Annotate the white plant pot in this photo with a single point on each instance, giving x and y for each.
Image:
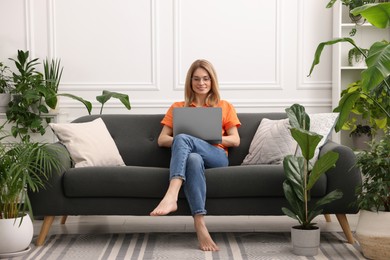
(15, 238)
(305, 242)
(4, 100)
(373, 234)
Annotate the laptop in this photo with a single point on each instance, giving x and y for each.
(202, 122)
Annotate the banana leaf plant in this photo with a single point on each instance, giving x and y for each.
(301, 176)
(375, 80)
(102, 99)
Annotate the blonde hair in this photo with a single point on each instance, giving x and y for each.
(213, 97)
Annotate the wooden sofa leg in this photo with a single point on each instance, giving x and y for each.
(327, 218)
(47, 221)
(342, 218)
(63, 219)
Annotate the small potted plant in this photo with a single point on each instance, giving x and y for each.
(23, 166)
(356, 57)
(373, 197)
(5, 87)
(361, 136)
(300, 179)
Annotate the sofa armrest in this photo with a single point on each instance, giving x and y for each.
(49, 199)
(345, 177)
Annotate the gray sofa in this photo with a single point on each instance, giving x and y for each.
(135, 189)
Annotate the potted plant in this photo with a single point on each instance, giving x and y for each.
(375, 86)
(372, 230)
(5, 87)
(351, 4)
(301, 176)
(361, 136)
(23, 166)
(27, 105)
(356, 58)
(52, 73)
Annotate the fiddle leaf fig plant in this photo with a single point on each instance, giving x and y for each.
(301, 176)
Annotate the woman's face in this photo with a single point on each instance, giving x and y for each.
(201, 82)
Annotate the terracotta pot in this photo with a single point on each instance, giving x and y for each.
(373, 234)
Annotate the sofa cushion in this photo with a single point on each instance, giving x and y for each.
(271, 143)
(89, 144)
(152, 182)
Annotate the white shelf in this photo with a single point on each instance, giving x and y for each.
(342, 74)
(352, 68)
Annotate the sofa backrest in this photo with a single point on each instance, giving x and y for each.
(136, 136)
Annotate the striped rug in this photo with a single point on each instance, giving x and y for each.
(167, 246)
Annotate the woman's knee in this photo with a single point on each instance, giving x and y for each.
(195, 159)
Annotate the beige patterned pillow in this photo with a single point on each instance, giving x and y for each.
(271, 143)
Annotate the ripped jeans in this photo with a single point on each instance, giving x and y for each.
(190, 157)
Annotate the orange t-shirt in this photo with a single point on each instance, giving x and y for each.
(229, 117)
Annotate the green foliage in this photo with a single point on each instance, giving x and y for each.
(374, 193)
(301, 176)
(5, 79)
(52, 73)
(375, 82)
(23, 166)
(27, 106)
(102, 99)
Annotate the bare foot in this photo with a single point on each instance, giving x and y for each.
(166, 206)
(206, 243)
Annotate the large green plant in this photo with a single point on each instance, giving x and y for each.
(374, 193)
(28, 105)
(23, 166)
(375, 82)
(301, 175)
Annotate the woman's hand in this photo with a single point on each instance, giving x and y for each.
(232, 139)
(166, 137)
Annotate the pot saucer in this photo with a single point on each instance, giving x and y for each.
(14, 254)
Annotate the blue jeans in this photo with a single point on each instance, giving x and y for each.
(190, 157)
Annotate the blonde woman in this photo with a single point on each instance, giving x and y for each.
(190, 155)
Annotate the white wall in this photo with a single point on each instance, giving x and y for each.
(262, 49)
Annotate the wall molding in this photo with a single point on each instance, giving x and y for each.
(303, 83)
(153, 85)
(226, 85)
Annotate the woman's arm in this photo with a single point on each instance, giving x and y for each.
(165, 139)
(232, 139)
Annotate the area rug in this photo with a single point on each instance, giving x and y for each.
(167, 246)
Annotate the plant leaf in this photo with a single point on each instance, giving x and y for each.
(323, 164)
(86, 103)
(298, 117)
(378, 65)
(293, 168)
(307, 141)
(376, 14)
(321, 46)
(344, 108)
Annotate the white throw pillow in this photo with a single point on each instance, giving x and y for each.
(271, 143)
(322, 124)
(89, 144)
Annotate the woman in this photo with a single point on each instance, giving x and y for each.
(190, 155)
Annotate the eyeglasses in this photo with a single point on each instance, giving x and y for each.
(198, 79)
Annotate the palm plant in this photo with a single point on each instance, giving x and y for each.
(23, 166)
